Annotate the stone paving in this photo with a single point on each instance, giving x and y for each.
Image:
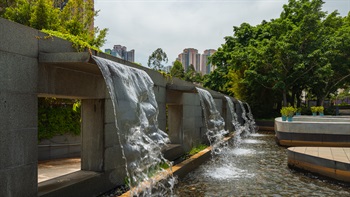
(55, 168)
(332, 162)
(330, 153)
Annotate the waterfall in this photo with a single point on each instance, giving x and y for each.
(246, 125)
(238, 127)
(136, 111)
(252, 124)
(214, 122)
(234, 121)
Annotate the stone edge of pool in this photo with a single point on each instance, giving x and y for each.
(313, 131)
(182, 169)
(331, 162)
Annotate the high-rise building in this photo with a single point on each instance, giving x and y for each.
(205, 67)
(122, 52)
(190, 56)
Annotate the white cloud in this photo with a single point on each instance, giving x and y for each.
(145, 25)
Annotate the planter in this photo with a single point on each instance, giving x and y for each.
(314, 113)
(290, 118)
(298, 113)
(321, 113)
(284, 118)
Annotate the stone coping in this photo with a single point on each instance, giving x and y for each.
(182, 169)
(310, 124)
(331, 162)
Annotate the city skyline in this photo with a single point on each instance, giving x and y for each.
(191, 56)
(122, 52)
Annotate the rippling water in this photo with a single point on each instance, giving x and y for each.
(261, 170)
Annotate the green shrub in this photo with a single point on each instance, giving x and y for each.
(58, 117)
(197, 149)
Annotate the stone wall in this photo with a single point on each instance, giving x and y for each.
(33, 66)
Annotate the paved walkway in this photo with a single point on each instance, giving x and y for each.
(55, 168)
(333, 162)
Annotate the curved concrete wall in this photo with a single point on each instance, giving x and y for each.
(313, 131)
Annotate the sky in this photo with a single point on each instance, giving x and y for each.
(173, 25)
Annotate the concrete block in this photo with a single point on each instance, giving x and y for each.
(18, 147)
(50, 44)
(190, 99)
(19, 39)
(189, 111)
(162, 116)
(44, 153)
(109, 112)
(175, 123)
(111, 135)
(69, 83)
(58, 151)
(199, 121)
(198, 111)
(74, 151)
(218, 104)
(18, 111)
(92, 135)
(18, 73)
(173, 97)
(157, 78)
(160, 94)
(19, 181)
(114, 159)
(188, 122)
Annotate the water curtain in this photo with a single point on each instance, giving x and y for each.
(231, 106)
(252, 124)
(238, 128)
(136, 111)
(246, 125)
(215, 124)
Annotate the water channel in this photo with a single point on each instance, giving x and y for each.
(258, 167)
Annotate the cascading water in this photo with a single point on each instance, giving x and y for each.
(214, 122)
(246, 125)
(136, 111)
(235, 122)
(252, 124)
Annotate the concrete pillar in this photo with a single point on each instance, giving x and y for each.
(160, 94)
(175, 124)
(114, 162)
(92, 134)
(18, 110)
(194, 130)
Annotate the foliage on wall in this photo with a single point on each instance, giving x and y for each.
(58, 117)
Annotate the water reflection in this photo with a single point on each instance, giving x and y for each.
(263, 173)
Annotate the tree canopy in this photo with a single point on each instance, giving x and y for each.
(177, 70)
(305, 49)
(157, 59)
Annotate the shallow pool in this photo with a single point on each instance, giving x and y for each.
(257, 168)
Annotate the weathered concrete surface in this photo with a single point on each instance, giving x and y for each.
(18, 109)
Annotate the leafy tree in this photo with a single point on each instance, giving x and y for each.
(177, 70)
(74, 19)
(335, 56)
(303, 49)
(19, 11)
(44, 15)
(156, 59)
